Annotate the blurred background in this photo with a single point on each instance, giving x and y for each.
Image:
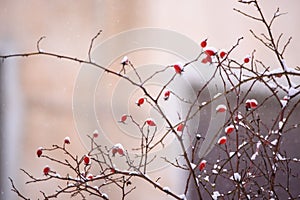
(36, 93)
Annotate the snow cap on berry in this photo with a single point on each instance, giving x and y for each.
(251, 104)
(118, 148)
(67, 140)
(124, 60)
(222, 140)
(95, 133)
(150, 122)
(229, 129)
(221, 108)
(202, 165)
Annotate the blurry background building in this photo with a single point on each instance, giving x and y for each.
(36, 93)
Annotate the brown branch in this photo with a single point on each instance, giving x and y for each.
(15, 190)
(91, 45)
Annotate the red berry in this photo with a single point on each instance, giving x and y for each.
(39, 151)
(95, 134)
(67, 140)
(210, 51)
(204, 60)
(46, 170)
(114, 151)
(253, 103)
(203, 43)
(86, 160)
(247, 59)
(120, 151)
(229, 129)
(180, 127)
(118, 148)
(140, 101)
(150, 122)
(167, 95)
(112, 170)
(123, 118)
(202, 165)
(221, 108)
(90, 176)
(207, 59)
(222, 53)
(222, 140)
(178, 68)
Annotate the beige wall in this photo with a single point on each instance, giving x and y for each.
(47, 84)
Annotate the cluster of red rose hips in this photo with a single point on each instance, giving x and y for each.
(211, 51)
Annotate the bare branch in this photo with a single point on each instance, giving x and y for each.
(15, 190)
(91, 45)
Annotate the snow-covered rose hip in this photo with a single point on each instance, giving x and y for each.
(229, 129)
(90, 176)
(67, 140)
(222, 140)
(118, 148)
(221, 108)
(95, 133)
(251, 104)
(202, 165)
(150, 122)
